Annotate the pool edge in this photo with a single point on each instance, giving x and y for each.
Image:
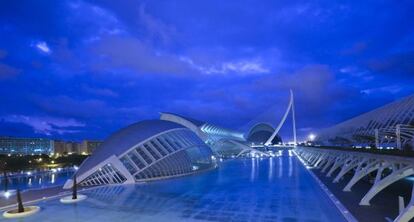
(342, 209)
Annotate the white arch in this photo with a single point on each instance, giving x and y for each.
(381, 184)
(290, 107)
(361, 172)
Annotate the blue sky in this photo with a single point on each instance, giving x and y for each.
(82, 69)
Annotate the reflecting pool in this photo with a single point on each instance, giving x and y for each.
(38, 180)
(276, 189)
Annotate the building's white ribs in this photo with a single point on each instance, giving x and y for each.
(389, 169)
(408, 213)
(361, 129)
(364, 168)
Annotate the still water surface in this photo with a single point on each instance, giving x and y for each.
(275, 189)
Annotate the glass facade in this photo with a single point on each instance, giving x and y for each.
(172, 153)
(105, 175)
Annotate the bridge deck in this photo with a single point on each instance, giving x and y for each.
(363, 150)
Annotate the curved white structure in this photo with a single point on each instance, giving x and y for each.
(223, 142)
(391, 125)
(147, 150)
(226, 142)
(291, 107)
(260, 133)
(362, 164)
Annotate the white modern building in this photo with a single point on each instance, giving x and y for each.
(172, 146)
(147, 150)
(389, 126)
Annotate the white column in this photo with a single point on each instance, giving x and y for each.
(408, 213)
(350, 164)
(398, 133)
(293, 118)
(361, 172)
(338, 162)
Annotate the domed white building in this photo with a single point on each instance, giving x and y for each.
(147, 150)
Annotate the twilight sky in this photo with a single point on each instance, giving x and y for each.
(83, 69)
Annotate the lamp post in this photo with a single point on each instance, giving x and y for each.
(6, 181)
(74, 188)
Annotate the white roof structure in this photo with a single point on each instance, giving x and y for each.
(224, 142)
(392, 123)
(147, 150)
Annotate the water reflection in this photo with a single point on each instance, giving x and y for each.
(37, 180)
(270, 169)
(228, 194)
(53, 179)
(280, 166)
(290, 166)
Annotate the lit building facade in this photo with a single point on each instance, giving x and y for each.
(25, 146)
(66, 147)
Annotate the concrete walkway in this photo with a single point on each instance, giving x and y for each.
(384, 205)
(33, 195)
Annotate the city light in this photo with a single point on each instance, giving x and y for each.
(311, 137)
(7, 194)
(191, 110)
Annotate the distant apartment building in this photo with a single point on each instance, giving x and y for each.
(26, 146)
(35, 146)
(66, 147)
(88, 146)
(59, 146)
(72, 147)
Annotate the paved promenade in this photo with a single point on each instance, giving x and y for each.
(384, 205)
(33, 195)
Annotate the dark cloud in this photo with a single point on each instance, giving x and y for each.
(401, 64)
(104, 64)
(7, 71)
(132, 54)
(3, 54)
(46, 125)
(355, 49)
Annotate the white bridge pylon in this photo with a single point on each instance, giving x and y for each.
(291, 107)
(389, 169)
